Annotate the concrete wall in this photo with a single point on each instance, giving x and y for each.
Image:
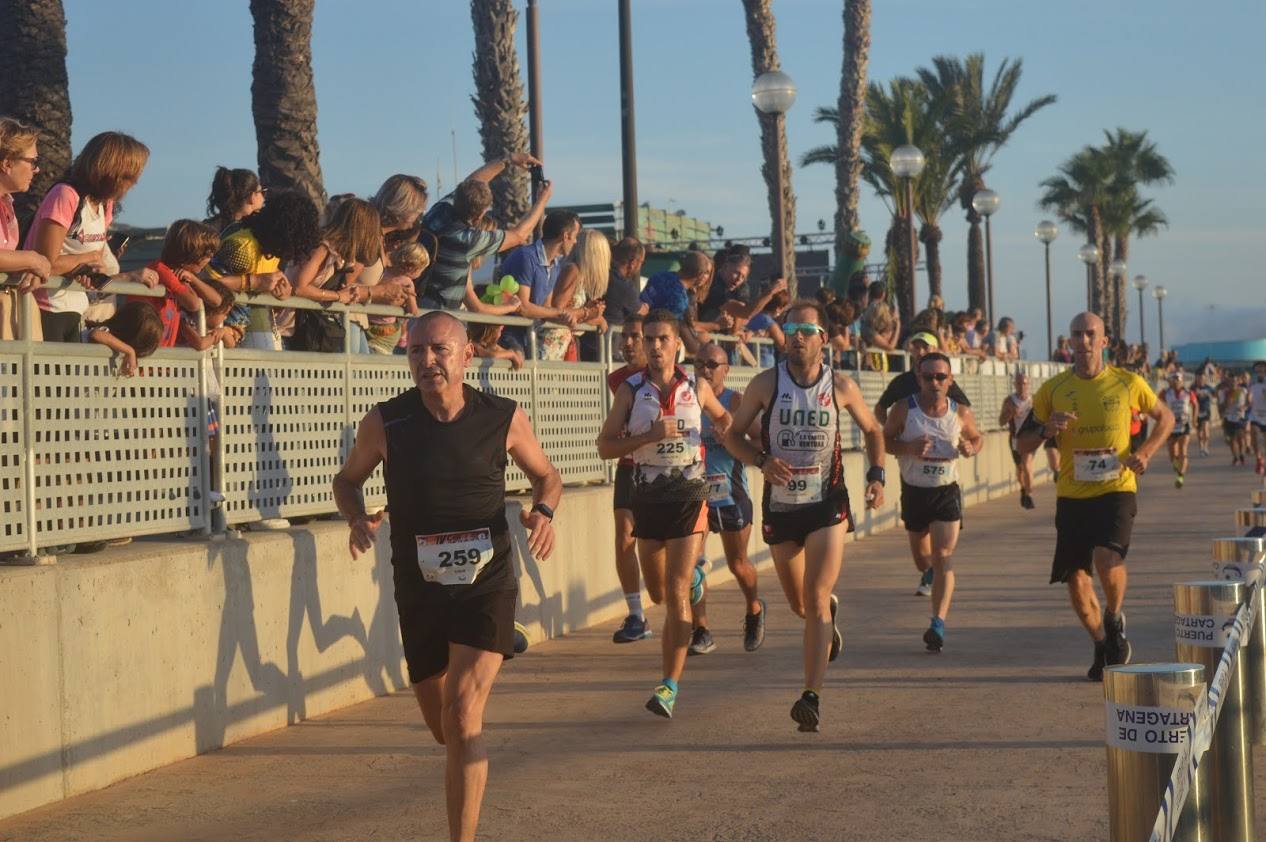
(118, 663)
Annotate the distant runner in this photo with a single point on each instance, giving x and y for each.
(1015, 411)
(1233, 406)
(1182, 403)
(1087, 409)
(1204, 410)
(928, 432)
(1257, 414)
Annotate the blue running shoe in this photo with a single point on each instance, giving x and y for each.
(662, 701)
(934, 637)
(634, 628)
(696, 585)
(520, 638)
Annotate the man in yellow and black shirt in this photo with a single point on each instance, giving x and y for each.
(1087, 411)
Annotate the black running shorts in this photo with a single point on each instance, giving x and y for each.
(1180, 431)
(731, 518)
(623, 498)
(921, 506)
(1082, 525)
(1231, 429)
(665, 521)
(440, 614)
(796, 525)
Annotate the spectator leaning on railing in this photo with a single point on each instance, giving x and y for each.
(457, 223)
(401, 201)
(235, 195)
(134, 331)
(72, 226)
(581, 285)
(624, 284)
(187, 248)
(19, 162)
(537, 266)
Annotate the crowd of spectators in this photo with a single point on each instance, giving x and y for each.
(400, 250)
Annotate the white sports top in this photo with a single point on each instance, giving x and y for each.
(1179, 403)
(801, 426)
(1257, 397)
(673, 467)
(1023, 408)
(940, 466)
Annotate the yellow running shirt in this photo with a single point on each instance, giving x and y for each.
(1093, 446)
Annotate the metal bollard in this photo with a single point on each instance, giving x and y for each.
(1231, 558)
(1251, 520)
(1203, 613)
(1259, 498)
(1148, 709)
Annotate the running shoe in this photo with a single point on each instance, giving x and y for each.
(925, 583)
(805, 711)
(696, 585)
(701, 642)
(520, 638)
(754, 629)
(1117, 649)
(1026, 501)
(1095, 673)
(634, 628)
(837, 639)
(1178, 480)
(662, 701)
(934, 637)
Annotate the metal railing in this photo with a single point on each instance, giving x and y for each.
(86, 455)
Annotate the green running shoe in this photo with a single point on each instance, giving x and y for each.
(662, 701)
(696, 585)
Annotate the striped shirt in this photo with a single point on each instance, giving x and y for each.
(459, 245)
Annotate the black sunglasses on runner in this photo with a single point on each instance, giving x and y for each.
(938, 377)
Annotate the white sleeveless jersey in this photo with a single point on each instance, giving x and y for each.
(940, 465)
(1023, 408)
(801, 426)
(671, 469)
(1179, 403)
(1257, 397)
(1236, 404)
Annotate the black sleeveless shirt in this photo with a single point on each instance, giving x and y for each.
(447, 477)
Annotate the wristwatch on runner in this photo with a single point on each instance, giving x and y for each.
(876, 474)
(544, 509)
(759, 461)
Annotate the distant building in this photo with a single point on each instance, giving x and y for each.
(654, 226)
(1236, 353)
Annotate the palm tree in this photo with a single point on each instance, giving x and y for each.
(1077, 195)
(283, 98)
(977, 124)
(761, 35)
(850, 120)
(499, 102)
(1125, 213)
(35, 88)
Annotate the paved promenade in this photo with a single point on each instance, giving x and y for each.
(998, 738)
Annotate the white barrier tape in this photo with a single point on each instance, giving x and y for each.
(1200, 732)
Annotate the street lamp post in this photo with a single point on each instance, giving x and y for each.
(1140, 283)
(907, 163)
(1117, 270)
(1160, 294)
(1089, 255)
(628, 132)
(1047, 231)
(774, 93)
(985, 203)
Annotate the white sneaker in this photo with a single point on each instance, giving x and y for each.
(923, 590)
(271, 524)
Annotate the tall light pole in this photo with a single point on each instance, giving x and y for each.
(774, 93)
(907, 163)
(535, 123)
(1089, 255)
(627, 133)
(1140, 283)
(985, 203)
(1160, 294)
(1047, 231)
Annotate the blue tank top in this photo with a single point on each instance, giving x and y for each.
(725, 475)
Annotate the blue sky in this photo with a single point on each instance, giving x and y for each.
(393, 84)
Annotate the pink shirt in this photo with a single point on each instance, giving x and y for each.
(8, 224)
(84, 237)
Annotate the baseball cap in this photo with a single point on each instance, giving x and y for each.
(926, 338)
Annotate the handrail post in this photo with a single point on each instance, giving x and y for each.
(218, 469)
(204, 435)
(28, 442)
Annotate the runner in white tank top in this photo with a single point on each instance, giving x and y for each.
(656, 418)
(805, 509)
(1182, 403)
(1015, 411)
(928, 433)
(1257, 414)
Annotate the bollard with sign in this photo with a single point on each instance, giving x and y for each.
(1259, 499)
(1149, 711)
(1204, 618)
(1233, 558)
(1253, 521)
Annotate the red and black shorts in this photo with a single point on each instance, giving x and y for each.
(796, 525)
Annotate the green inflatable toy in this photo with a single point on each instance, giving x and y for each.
(502, 292)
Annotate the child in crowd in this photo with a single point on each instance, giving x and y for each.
(134, 331)
(486, 338)
(216, 317)
(187, 249)
(408, 262)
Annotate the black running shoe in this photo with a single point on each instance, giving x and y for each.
(934, 640)
(754, 629)
(701, 642)
(1117, 649)
(805, 711)
(837, 639)
(1026, 501)
(1095, 673)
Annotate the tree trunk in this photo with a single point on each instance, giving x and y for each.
(852, 109)
(899, 263)
(930, 235)
(283, 98)
(1121, 285)
(762, 37)
(35, 88)
(1095, 233)
(500, 105)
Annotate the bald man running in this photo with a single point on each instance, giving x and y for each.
(1086, 409)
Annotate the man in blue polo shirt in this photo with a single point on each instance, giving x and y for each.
(536, 267)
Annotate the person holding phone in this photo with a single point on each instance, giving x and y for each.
(19, 162)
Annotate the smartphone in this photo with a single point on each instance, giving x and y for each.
(118, 243)
(538, 173)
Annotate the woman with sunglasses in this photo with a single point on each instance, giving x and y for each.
(927, 433)
(805, 507)
(19, 162)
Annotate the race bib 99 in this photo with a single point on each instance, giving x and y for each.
(454, 558)
(805, 486)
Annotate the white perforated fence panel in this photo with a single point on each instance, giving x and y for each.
(115, 456)
(12, 457)
(568, 415)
